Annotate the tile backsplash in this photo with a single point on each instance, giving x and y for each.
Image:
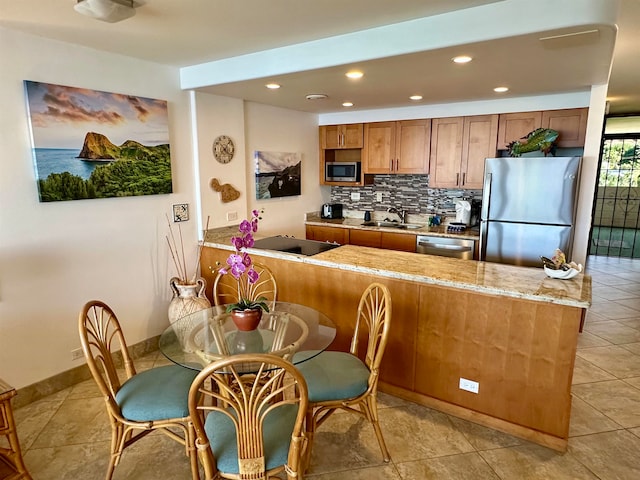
(410, 192)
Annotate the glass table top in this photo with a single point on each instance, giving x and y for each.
(204, 336)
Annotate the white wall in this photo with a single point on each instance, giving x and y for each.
(56, 256)
(279, 130)
(215, 116)
(253, 126)
(589, 173)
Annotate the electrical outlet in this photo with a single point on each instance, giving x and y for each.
(355, 196)
(232, 216)
(378, 196)
(76, 354)
(469, 385)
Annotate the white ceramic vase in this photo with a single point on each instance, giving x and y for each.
(187, 298)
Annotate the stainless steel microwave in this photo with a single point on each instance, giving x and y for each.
(342, 172)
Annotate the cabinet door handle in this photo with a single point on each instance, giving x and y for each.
(457, 179)
(391, 165)
(464, 178)
(397, 164)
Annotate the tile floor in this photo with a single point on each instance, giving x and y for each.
(66, 436)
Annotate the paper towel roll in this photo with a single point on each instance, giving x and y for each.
(463, 212)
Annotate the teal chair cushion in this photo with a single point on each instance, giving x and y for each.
(334, 376)
(276, 433)
(156, 394)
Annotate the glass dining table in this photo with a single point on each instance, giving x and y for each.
(207, 335)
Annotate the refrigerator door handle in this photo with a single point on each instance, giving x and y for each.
(486, 193)
(483, 240)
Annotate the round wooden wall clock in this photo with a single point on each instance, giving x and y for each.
(223, 149)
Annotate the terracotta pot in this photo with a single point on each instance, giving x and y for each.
(247, 320)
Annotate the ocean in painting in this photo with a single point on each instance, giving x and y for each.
(58, 160)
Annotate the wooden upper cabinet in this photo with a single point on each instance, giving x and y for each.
(446, 152)
(341, 136)
(571, 124)
(478, 142)
(459, 146)
(514, 126)
(396, 147)
(379, 147)
(412, 146)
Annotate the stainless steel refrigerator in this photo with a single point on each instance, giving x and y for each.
(528, 208)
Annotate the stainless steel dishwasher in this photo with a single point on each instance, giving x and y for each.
(445, 246)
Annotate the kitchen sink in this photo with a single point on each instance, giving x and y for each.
(408, 226)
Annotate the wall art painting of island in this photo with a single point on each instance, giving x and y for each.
(93, 144)
(277, 174)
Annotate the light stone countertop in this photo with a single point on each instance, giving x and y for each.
(356, 223)
(527, 283)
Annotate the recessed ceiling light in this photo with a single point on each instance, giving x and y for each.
(272, 86)
(354, 74)
(347, 104)
(501, 89)
(316, 96)
(415, 97)
(462, 59)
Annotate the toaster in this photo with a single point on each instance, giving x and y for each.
(331, 210)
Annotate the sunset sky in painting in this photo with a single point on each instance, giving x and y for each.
(61, 116)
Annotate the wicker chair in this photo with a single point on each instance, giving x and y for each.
(155, 399)
(249, 424)
(340, 380)
(227, 290)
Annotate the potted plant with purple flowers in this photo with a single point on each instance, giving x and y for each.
(247, 311)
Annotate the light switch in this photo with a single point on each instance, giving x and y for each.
(378, 196)
(355, 196)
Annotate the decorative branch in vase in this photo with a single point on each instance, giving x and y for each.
(188, 291)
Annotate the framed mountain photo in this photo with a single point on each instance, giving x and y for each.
(93, 144)
(278, 174)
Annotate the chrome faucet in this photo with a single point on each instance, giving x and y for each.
(401, 212)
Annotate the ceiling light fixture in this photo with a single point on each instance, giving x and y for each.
(415, 97)
(354, 74)
(347, 104)
(110, 11)
(501, 89)
(462, 59)
(316, 96)
(272, 86)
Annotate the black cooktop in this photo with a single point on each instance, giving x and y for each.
(294, 245)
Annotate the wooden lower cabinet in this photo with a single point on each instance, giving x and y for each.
(327, 234)
(365, 238)
(337, 293)
(398, 241)
(520, 352)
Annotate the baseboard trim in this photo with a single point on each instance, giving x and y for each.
(69, 378)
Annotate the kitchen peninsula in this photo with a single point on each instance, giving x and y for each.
(510, 329)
